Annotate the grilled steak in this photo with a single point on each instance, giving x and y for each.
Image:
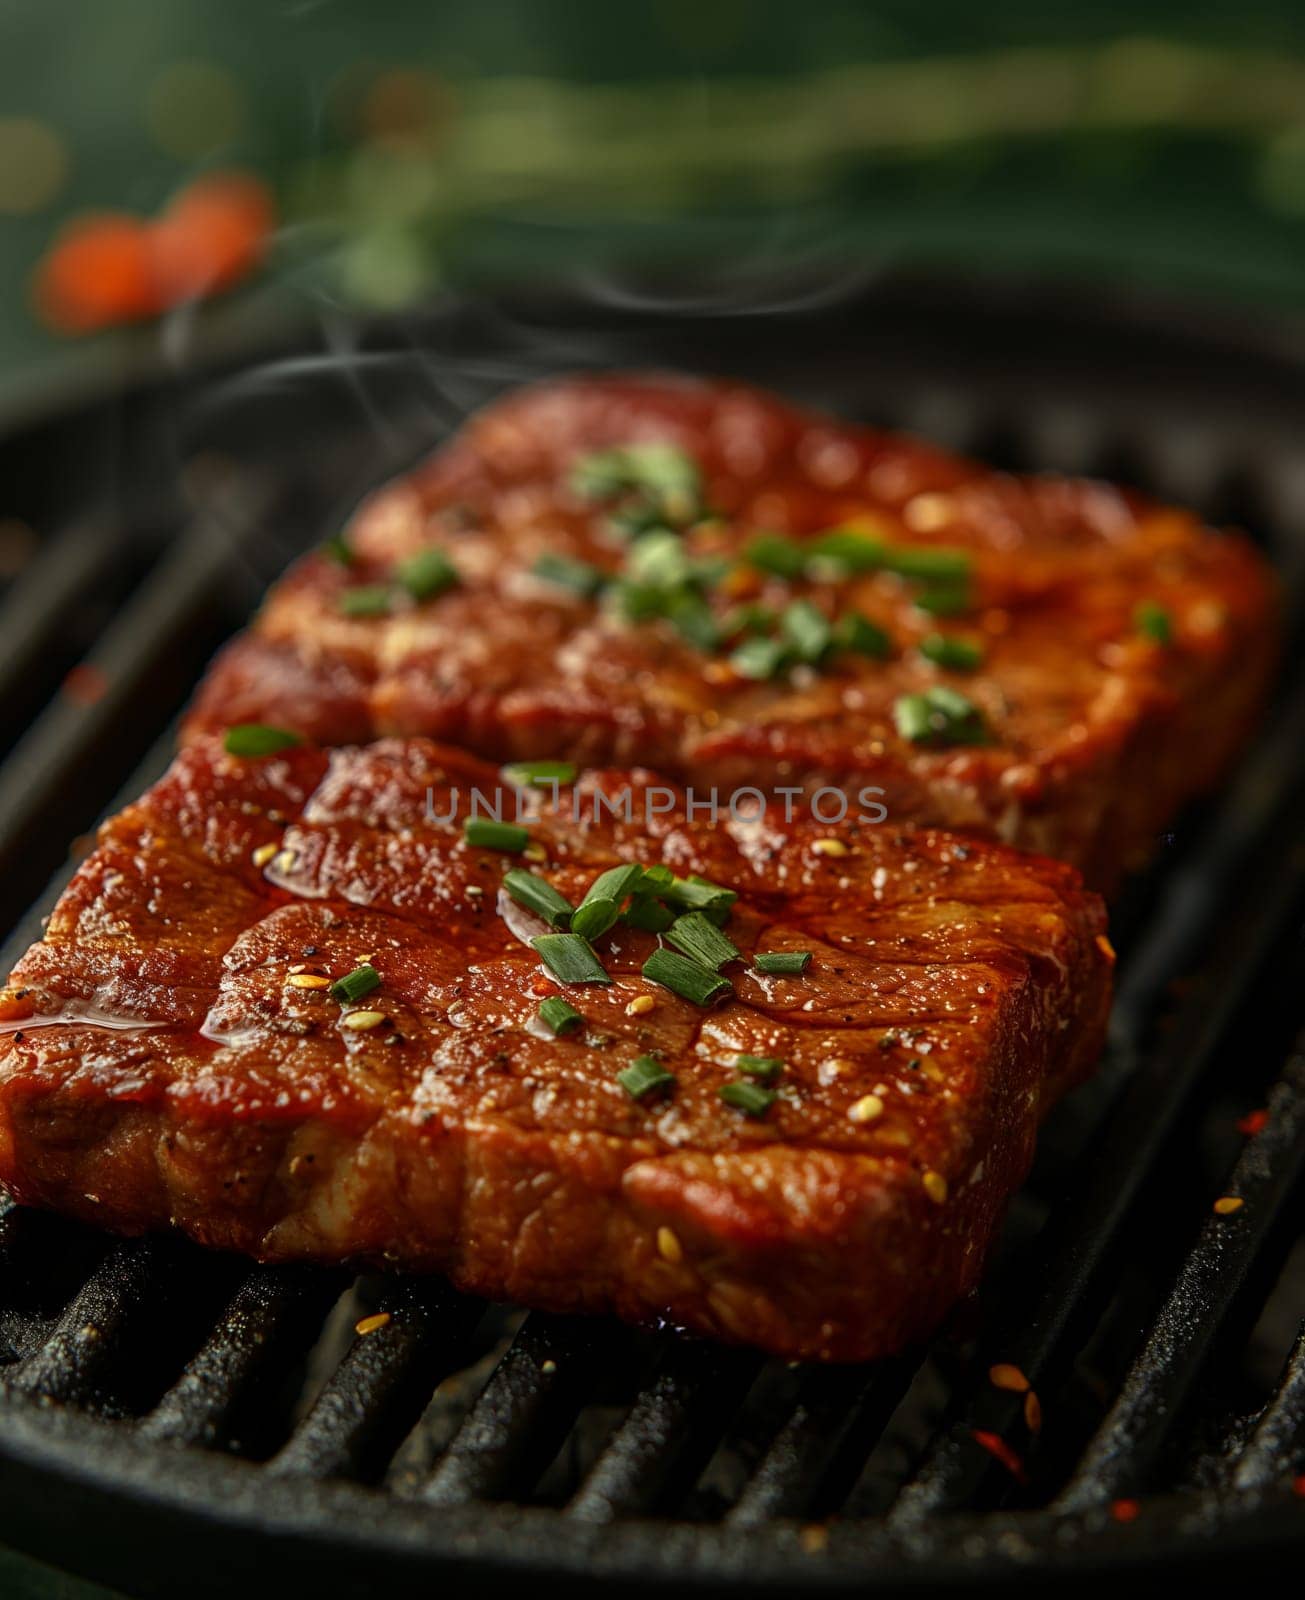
(1058, 663)
(171, 1054)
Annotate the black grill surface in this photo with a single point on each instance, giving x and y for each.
(176, 1421)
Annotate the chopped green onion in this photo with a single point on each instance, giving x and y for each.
(1153, 622)
(760, 1066)
(702, 941)
(659, 469)
(928, 563)
(747, 619)
(593, 917)
(945, 599)
(354, 985)
(558, 1015)
(700, 894)
(258, 739)
(854, 632)
(685, 978)
(649, 915)
(940, 716)
(849, 550)
(659, 560)
(338, 549)
(807, 630)
(748, 1098)
(486, 834)
(948, 650)
(644, 1075)
(615, 883)
(569, 958)
(775, 552)
(581, 577)
(782, 961)
(368, 600)
(656, 879)
(692, 619)
(537, 895)
(538, 774)
(426, 574)
(760, 658)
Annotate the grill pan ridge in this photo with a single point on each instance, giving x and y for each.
(170, 1417)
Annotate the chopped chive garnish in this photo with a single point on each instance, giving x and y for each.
(486, 834)
(644, 1075)
(594, 917)
(537, 895)
(928, 563)
(760, 1066)
(692, 619)
(945, 599)
(948, 650)
(578, 576)
(854, 632)
(533, 774)
(649, 915)
(748, 1098)
(368, 600)
(806, 629)
(1152, 621)
(258, 739)
(615, 883)
(760, 658)
(569, 958)
(848, 549)
(354, 985)
(556, 1014)
(685, 978)
(659, 560)
(426, 574)
(940, 716)
(700, 894)
(659, 469)
(782, 961)
(702, 941)
(338, 549)
(775, 552)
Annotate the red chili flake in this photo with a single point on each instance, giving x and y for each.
(85, 684)
(1125, 1510)
(1298, 1484)
(541, 988)
(997, 1447)
(1252, 1123)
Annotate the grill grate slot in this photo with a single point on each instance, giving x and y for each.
(1276, 1448)
(524, 1413)
(384, 1382)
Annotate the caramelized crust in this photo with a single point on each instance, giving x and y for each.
(158, 1067)
(1099, 732)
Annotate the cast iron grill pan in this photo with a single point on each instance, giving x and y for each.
(171, 1418)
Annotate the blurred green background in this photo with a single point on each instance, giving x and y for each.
(415, 146)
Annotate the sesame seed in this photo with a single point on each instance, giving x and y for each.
(830, 847)
(640, 1006)
(474, 890)
(371, 1324)
(935, 1186)
(535, 852)
(866, 1109)
(307, 980)
(264, 854)
(1106, 948)
(1227, 1204)
(360, 1021)
(669, 1247)
(548, 1368)
(1032, 1412)
(1006, 1376)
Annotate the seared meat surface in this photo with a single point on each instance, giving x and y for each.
(171, 1054)
(1109, 653)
